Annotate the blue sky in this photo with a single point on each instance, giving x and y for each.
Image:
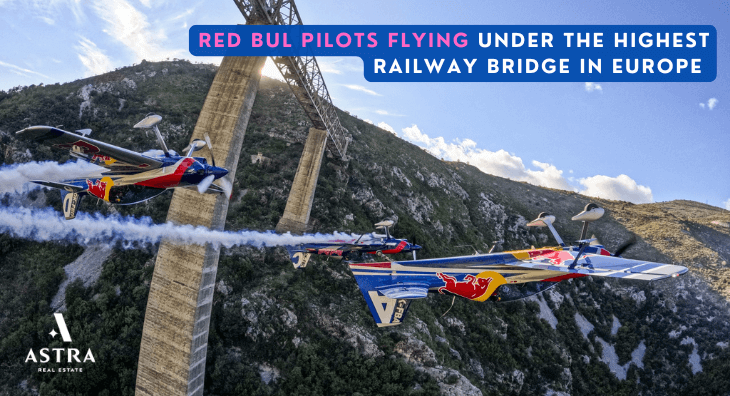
(635, 141)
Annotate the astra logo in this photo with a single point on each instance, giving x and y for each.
(60, 355)
(61, 327)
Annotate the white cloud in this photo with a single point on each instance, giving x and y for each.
(500, 163)
(328, 67)
(618, 188)
(20, 70)
(504, 164)
(182, 15)
(47, 20)
(548, 175)
(130, 27)
(727, 204)
(387, 127)
(340, 65)
(711, 103)
(369, 121)
(590, 87)
(93, 58)
(361, 89)
(414, 134)
(386, 113)
(45, 9)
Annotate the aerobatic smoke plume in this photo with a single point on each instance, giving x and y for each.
(13, 178)
(89, 229)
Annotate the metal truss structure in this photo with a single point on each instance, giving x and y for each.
(300, 72)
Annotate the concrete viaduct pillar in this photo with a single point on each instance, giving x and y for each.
(175, 335)
(301, 195)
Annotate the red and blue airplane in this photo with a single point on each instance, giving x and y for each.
(130, 177)
(376, 244)
(390, 286)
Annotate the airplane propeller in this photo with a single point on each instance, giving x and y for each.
(413, 251)
(625, 246)
(210, 148)
(205, 183)
(227, 186)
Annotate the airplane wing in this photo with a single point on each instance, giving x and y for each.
(619, 267)
(103, 154)
(607, 266)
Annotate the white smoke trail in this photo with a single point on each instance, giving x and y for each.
(13, 178)
(89, 229)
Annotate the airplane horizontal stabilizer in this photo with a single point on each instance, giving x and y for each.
(62, 186)
(404, 290)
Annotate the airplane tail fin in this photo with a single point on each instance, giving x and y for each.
(388, 301)
(71, 201)
(299, 258)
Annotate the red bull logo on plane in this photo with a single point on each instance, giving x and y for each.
(79, 146)
(558, 257)
(96, 158)
(328, 252)
(478, 288)
(100, 187)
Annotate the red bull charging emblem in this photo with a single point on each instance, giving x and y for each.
(100, 187)
(478, 288)
(79, 146)
(556, 257)
(330, 252)
(96, 158)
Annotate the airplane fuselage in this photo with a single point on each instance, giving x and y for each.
(385, 246)
(129, 188)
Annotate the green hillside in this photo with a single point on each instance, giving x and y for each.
(278, 331)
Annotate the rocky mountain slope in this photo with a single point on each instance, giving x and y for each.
(279, 331)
